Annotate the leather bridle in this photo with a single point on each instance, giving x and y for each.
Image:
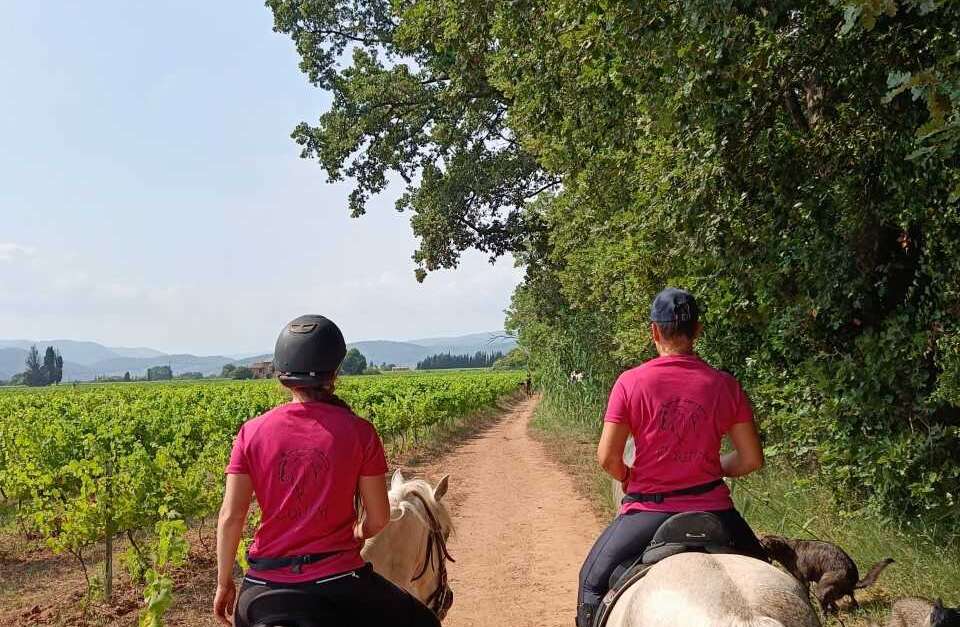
(436, 556)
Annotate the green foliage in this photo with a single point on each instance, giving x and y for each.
(227, 372)
(793, 164)
(353, 363)
(241, 373)
(443, 361)
(84, 462)
(159, 373)
(52, 369)
(516, 359)
(34, 375)
(171, 550)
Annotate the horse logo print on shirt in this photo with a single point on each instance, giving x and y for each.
(302, 469)
(678, 421)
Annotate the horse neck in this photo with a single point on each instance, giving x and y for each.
(399, 550)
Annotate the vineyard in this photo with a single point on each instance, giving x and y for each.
(82, 466)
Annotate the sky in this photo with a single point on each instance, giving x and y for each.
(150, 194)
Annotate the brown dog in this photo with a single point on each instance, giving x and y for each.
(824, 564)
(916, 612)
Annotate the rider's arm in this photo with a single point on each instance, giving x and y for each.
(233, 518)
(376, 506)
(610, 450)
(747, 455)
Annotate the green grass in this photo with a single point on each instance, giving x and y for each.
(779, 500)
(782, 500)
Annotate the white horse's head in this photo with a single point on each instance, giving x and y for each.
(412, 550)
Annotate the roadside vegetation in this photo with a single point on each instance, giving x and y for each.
(781, 499)
(796, 165)
(117, 484)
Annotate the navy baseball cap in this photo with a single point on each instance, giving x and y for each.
(673, 305)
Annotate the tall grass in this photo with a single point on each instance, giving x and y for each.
(778, 499)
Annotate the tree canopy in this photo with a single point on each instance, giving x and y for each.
(353, 363)
(793, 163)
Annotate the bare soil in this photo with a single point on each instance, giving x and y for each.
(521, 529)
(521, 533)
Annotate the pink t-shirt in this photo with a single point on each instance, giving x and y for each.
(678, 409)
(305, 460)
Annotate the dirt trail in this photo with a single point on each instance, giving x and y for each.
(521, 529)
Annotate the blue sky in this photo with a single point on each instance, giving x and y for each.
(150, 193)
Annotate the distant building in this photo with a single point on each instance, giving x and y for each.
(396, 368)
(262, 370)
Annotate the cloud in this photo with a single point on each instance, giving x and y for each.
(10, 251)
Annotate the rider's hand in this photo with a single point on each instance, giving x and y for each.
(223, 602)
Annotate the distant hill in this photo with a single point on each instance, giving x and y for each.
(178, 363)
(12, 361)
(84, 361)
(384, 351)
(84, 353)
(410, 352)
(487, 342)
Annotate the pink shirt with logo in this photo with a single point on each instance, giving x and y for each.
(678, 408)
(305, 460)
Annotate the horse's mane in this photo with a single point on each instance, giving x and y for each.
(402, 499)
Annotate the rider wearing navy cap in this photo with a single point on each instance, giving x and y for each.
(678, 409)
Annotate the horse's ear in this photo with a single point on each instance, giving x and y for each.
(397, 480)
(441, 488)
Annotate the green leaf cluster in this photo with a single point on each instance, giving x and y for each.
(795, 164)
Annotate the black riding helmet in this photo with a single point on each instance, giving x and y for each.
(309, 351)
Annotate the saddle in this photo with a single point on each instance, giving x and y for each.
(700, 532)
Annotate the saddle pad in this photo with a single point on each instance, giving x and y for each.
(634, 574)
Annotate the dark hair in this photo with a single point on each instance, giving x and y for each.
(321, 392)
(677, 328)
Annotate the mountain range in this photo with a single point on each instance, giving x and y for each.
(84, 361)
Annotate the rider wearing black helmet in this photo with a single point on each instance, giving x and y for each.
(306, 461)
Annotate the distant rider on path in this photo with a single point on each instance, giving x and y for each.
(678, 409)
(306, 461)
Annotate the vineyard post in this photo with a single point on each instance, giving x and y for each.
(108, 561)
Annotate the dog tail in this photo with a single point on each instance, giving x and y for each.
(871, 577)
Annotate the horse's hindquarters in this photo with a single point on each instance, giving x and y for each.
(701, 590)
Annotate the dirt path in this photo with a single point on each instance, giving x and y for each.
(521, 529)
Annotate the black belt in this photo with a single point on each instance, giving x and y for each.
(295, 562)
(703, 488)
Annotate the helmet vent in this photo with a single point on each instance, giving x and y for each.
(302, 328)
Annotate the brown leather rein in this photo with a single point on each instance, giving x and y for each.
(436, 556)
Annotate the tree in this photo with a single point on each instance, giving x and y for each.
(241, 373)
(159, 373)
(794, 164)
(353, 363)
(34, 375)
(425, 111)
(516, 359)
(52, 366)
(126, 377)
(228, 370)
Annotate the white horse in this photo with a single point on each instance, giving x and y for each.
(711, 590)
(411, 551)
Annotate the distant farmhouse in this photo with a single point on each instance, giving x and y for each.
(262, 370)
